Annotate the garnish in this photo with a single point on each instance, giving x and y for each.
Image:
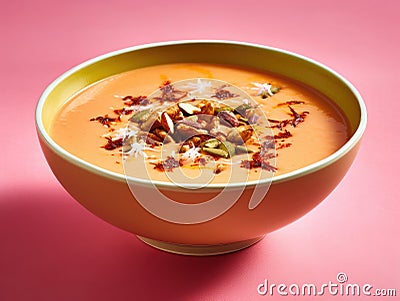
(283, 145)
(123, 111)
(106, 120)
(169, 93)
(290, 102)
(283, 135)
(222, 93)
(199, 87)
(258, 160)
(113, 144)
(297, 118)
(136, 148)
(134, 101)
(201, 128)
(168, 164)
(265, 90)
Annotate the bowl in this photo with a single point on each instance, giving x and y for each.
(108, 195)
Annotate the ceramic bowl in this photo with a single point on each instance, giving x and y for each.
(107, 195)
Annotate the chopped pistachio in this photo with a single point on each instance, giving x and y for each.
(242, 109)
(228, 147)
(141, 116)
(229, 109)
(212, 143)
(241, 149)
(275, 89)
(216, 152)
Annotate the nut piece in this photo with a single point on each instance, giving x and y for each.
(252, 116)
(150, 138)
(186, 131)
(174, 112)
(241, 149)
(191, 123)
(163, 135)
(167, 123)
(207, 107)
(228, 147)
(195, 141)
(213, 123)
(152, 122)
(275, 89)
(219, 168)
(127, 146)
(184, 148)
(229, 109)
(242, 109)
(212, 143)
(141, 116)
(216, 152)
(188, 108)
(240, 134)
(229, 118)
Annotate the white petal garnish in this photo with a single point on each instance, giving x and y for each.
(199, 87)
(262, 89)
(191, 154)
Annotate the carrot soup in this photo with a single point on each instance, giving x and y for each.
(250, 122)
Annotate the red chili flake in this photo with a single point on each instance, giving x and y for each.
(290, 102)
(165, 83)
(113, 144)
(159, 166)
(268, 167)
(171, 163)
(134, 101)
(202, 161)
(283, 135)
(297, 118)
(222, 93)
(283, 145)
(168, 164)
(246, 164)
(258, 161)
(274, 120)
(280, 124)
(106, 121)
(269, 144)
(169, 93)
(123, 111)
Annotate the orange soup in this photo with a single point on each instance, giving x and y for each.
(242, 122)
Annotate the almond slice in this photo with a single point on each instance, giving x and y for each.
(167, 123)
(229, 118)
(188, 108)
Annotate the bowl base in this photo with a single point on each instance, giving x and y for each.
(199, 250)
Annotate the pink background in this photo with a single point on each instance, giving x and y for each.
(53, 249)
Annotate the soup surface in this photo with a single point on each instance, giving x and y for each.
(175, 122)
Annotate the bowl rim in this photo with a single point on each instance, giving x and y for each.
(342, 151)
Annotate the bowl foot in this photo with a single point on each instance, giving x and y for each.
(200, 250)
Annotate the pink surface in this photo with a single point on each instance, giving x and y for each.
(53, 249)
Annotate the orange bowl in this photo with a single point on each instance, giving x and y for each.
(107, 194)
